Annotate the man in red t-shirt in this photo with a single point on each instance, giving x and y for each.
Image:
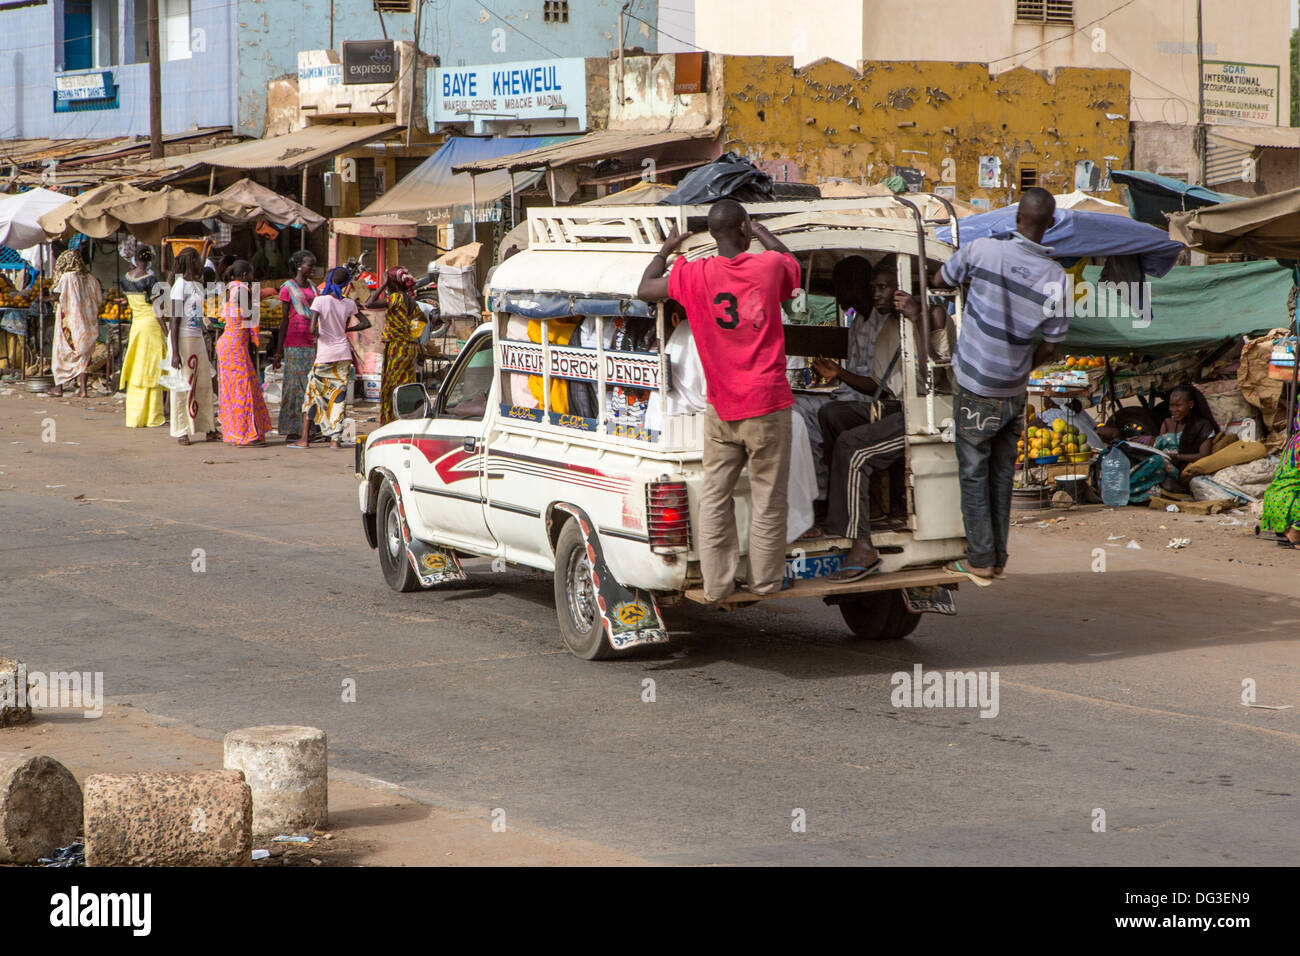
(733, 304)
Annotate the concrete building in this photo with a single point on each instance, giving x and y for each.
(79, 68)
(1246, 51)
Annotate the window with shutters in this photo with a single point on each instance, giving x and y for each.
(555, 11)
(1028, 177)
(1045, 11)
(393, 6)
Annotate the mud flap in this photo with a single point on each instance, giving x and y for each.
(631, 617)
(432, 564)
(934, 598)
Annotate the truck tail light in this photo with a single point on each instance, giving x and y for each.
(668, 516)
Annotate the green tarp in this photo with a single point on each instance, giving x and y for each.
(1192, 307)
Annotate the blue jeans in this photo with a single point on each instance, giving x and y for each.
(987, 431)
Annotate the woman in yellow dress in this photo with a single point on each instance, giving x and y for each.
(145, 349)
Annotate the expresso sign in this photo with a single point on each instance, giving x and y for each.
(369, 61)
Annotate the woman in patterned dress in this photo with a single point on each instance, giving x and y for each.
(76, 321)
(241, 408)
(1282, 499)
(397, 294)
(294, 343)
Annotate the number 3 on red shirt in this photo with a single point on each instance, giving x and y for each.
(733, 316)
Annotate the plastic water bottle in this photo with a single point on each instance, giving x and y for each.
(1114, 478)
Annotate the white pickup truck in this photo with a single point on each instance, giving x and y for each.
(548, 444)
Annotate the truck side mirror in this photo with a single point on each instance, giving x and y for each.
(411, 401)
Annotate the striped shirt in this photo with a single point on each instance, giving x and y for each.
(1011, 302)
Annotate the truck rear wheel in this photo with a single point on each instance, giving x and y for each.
(879, 616)
(393, 559)
(575, 598)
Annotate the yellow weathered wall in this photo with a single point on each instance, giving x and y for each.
(833, 121)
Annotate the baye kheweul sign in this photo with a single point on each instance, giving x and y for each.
(528, 90)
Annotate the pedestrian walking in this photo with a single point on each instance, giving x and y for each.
(192, 412)
(397, 296)
(76, 322)
(327, 385)
(243, 414)
(294, 346)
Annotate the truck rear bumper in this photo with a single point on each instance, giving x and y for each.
(824, 587)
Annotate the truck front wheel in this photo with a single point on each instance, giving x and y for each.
(879, 616)
(575, 598)
(393, 559)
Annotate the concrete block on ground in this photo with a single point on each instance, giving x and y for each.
(287, 769)
(40, 807)
(14, 708)
(169, 818)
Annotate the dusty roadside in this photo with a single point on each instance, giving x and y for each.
(371, 823)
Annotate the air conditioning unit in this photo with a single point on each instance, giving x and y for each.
(332, 184)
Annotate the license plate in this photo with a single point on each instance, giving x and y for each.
(817, 566)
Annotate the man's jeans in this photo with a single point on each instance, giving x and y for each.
(987, 431)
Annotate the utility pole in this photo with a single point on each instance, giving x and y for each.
(1202, 140)
(155, 83)
(619, 91)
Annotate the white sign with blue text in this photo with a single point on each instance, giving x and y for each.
(529, 91)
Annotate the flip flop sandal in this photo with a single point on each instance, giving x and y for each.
(870, 569)
(1284, 543)
(955, 567)
(812, 534)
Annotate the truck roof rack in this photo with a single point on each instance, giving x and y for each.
(643, 228)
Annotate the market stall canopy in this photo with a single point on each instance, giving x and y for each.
(1264, 226)
(375, 227)
(1191, 307)
(1076, 234)
(603, 144)
(20, 215)
(433, 186)
(1084, 202)
(1151, 197)
(281, 210)
(148, 216)
(294, 150)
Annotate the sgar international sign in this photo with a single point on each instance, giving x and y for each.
(1240, 92)
(528, 90)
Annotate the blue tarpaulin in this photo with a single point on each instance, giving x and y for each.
(1076, 234)
(432, 186)
(1150, 196)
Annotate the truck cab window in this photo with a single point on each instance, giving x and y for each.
(466, 394)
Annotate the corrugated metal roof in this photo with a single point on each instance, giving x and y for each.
(291, 151)
(1268, 137)
(589, 148)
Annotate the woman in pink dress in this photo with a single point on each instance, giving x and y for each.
(241, 408)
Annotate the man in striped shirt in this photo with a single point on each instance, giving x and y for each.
(1010, 325)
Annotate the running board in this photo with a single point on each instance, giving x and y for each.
(823, 587)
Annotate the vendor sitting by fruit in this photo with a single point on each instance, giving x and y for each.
(1185, 437)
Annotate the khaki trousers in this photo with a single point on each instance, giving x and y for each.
(764, 444)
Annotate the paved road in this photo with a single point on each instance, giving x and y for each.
(1118, 691)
